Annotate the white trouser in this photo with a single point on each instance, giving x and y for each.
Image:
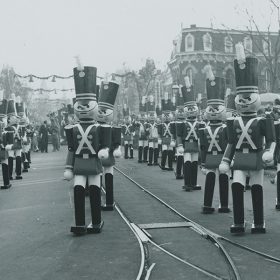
(256, 176)
(190, 157)
(81, 180)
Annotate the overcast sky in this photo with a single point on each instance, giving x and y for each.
(42, 37)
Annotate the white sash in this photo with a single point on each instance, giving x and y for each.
(245, 133)
(167, 129)
(84, 139)
(213, 136)
(192, 131)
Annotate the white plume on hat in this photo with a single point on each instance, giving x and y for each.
(228, 92)
(209, 73)
(240, 54)
(13, 97)
(143, 100)
(80, 66)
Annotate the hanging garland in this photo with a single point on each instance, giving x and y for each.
(41, 90)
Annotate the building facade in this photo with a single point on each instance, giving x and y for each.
(196, 47)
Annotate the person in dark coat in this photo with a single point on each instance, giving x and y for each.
(43, 133)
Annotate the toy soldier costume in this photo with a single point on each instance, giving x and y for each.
(165, 135)
(87, 143)
(3, 143)
(213, 142)
(107, 97)
(187, 138)
(245, 147)
(152, 132)
(127, 132)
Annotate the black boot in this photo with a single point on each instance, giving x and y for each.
(29, 157)
(126, 151)
(208, 193)
(11, 167)
(277, 206)
(174, 157)
(223, 189)
(156, 156)
(131, 150)
(79, 204)
(145, 159)
(140, 153)
(170, 160)
(179, 166)
(258, 225)
(25, 162)
(151, 156)
(163, 160)
(238, 208)
(18, 168)
(95, 205)
(6, 177)
(194, 168)
(187, 177)
(109, 183)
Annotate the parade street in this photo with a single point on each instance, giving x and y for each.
(36, 215)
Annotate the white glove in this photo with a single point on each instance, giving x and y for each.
(159, 141)
(224, 167)
(172, 144)
(204, 170)
(267, 157)
(68, 174)
(117, 152)
(103, 153)
(9, 147)
(180, 150)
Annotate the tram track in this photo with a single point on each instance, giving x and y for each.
(215, 238)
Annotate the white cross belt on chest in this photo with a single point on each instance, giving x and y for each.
(84, 140)
(167, 130)
(126, 129)
(192, 131)
(245, 135)
(214, 141)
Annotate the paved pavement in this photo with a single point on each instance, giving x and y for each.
(35, 239)
(37, 212)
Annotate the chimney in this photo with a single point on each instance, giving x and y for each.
(193, 25)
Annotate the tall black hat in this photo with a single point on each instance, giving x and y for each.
(216, 91)
(166, 104)
(20, 107)
(188, 93)
(143, 105)
(11, 110)
(158, 110)
(230, 103)
(97, 91)
(246, 72)
(151, 107)
(70, 109)
(108, 95)
(3, 108)
(85, 83)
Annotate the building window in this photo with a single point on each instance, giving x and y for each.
(229, 79)
(228, 44)
(267, 81)
(189, 73)
(248, 46)
(189, 43)
(207, 42)
(266, 46)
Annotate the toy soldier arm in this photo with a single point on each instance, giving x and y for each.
(230, 149)
(203, 145)
(105, 136)
(116, 137)
(269, 133)
(179, 134)
(70, 142)
(160, 131)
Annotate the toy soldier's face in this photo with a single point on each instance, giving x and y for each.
(142, 118)
(167, 117)
(191, 111)
(152, 117)
(127, 119)
(248, 102)
(215, 112)
(104, 115)
(180, 114)
(85, 109)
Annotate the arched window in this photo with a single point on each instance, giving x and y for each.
(207, 42)
(228, 44)
(248, 46)
(229, 79)
(189, 43)
(267, 80)
(266, 46)
(189, 73)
